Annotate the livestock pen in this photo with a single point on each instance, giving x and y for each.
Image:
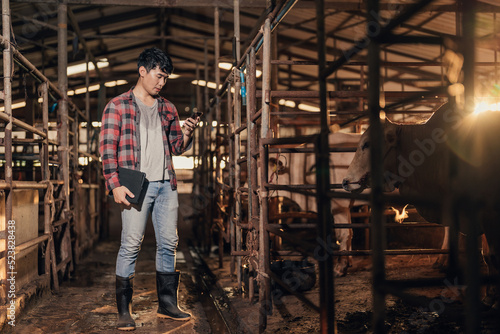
(270, 240)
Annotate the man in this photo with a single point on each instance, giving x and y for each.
(141, 131)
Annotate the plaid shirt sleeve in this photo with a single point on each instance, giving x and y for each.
(108, 143)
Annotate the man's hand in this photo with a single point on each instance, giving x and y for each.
(119, 194)
(190, 125)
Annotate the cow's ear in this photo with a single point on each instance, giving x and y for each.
(391, 136)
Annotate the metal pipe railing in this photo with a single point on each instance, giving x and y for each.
(7, 79)
(262, 150)
(4, 42)
(234, 218)
(62, 64)
(257, 40)
(237, 169)
(8, 118)
(324, 222)
(360, 45)
(252, 133)
(470, 208)
(378, 235)
(307, 94)
(52, 207)
(265, 283)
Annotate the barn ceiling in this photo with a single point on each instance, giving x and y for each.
(118, 30)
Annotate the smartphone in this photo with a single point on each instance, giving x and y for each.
(195, 114)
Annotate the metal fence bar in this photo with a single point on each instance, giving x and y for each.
(218, 132)
(470, 208)
(265, 284)
(252, 163)
(378, 235)
(7, 80)
(232, 216)
(237, 170)
(304, 94)
(325, 264)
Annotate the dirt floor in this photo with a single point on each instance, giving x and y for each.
(435, 310)
(86, 303)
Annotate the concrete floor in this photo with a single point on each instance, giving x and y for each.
(86, 303)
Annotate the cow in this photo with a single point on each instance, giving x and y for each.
(299, 168)
(418, 159)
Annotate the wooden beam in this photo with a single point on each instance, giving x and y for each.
(158, 3)
(305, 4)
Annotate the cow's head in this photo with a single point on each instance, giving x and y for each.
(358, 173)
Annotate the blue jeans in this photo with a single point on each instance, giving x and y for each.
(163, 203)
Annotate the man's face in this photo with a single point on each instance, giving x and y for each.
(154, 80)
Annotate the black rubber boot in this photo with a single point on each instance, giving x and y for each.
(124, 291)
(167, 285)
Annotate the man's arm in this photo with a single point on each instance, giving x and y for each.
(189, 126)
(108, 145)
(179, 140)
(108, 148)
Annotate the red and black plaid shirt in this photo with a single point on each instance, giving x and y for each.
(119, 142)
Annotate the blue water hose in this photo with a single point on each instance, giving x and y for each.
(243, 89)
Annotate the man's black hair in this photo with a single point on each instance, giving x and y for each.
(150, 58)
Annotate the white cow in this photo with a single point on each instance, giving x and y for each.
(299, 168)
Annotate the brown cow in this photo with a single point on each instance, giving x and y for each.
(418, 160)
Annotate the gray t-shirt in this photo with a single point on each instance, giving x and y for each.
(151, 137)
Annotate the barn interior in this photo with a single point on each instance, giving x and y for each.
(270, 242)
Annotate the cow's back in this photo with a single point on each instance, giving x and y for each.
(339, 163)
